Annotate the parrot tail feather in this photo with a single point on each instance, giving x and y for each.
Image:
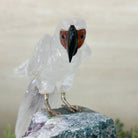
(31, 103)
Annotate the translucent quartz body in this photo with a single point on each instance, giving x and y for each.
(49, 65)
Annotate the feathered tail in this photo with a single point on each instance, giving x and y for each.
(31, 103)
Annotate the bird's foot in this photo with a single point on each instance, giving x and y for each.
(51, 112)
(72, 108)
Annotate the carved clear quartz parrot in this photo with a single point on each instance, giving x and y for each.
(51, 70)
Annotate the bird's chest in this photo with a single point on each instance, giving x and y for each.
(60, 66)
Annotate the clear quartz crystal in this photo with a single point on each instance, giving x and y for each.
(49, 64)
(49, 71)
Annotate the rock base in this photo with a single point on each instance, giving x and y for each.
(84, 124)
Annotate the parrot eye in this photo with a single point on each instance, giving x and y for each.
(82, 36)
(63, 36)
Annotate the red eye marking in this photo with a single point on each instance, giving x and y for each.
(63, 38)
(81, 34)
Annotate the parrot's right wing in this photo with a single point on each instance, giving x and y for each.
(32, 66)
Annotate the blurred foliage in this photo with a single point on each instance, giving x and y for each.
(121, 133)
(8, 133)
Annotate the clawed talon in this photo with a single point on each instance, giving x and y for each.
(73, 108)
(77, 108)
(51, 112)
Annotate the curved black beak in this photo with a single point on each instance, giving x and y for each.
(71, 44)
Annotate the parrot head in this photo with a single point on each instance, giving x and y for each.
(72, 39)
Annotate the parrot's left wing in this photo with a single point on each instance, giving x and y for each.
(85, 52)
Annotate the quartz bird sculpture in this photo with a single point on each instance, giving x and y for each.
(51, 70)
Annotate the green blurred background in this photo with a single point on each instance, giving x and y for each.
(106, 83)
